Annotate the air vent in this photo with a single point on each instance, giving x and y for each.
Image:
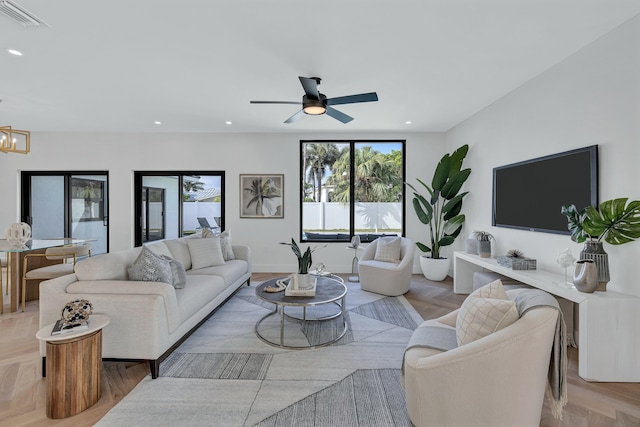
(21, 15)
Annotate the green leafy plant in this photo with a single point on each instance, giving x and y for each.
(304, 259)
(483, 236)
(440, 210)
(614, 221)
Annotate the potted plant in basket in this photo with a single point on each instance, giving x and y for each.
(613, 221)
(440, 210)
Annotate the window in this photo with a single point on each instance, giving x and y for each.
(172, 204)
(351, 187)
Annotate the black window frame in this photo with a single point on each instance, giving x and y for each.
(364, 238)
(137, 210)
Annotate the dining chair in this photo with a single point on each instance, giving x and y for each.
(67, 257)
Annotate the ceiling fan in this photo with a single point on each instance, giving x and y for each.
(316, 103)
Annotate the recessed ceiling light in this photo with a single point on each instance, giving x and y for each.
(228, 122)
(408, 122)
(14, 52)
(157, 122)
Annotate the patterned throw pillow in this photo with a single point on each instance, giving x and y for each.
(178, 272)
(205, 252)
(388, 249)
(150, 267)
(485, 311)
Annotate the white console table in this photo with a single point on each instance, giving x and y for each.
(607, 327)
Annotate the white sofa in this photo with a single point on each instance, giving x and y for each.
(387, 278)
(148, 319)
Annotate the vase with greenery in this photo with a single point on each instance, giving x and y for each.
(613, 221)
(440, 209)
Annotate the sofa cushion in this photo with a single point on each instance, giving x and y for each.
(150, 267)
(180, 251)
(205, 252)
(158, 247)
(480, 316)
(388, 249)
(111, 266)
(230, 271)
(198, 292)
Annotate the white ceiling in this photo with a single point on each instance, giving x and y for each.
(119, 65)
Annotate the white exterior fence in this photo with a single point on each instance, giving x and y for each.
(376, 217)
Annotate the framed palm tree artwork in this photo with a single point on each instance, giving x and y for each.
(261, 196)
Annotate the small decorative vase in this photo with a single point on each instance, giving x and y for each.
(472, 246)
(484, 248)
(18, 234)
(595, 251)
(585, 277)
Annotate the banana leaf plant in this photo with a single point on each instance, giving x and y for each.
(614, 221)
(440, 210)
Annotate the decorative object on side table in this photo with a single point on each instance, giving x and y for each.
(565, 259)
(18, 234)
(585, 277)
(614, 221)
(516, 260)
(440, 210)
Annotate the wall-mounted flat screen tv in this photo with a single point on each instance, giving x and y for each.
(529, 195)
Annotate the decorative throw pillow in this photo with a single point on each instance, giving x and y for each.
(205, 252)
(494, 289)
(226, 245)
(388, 249)
(178, 272)
(150, 267)
(480, 316)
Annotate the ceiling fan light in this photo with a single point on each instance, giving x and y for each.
(314, 110)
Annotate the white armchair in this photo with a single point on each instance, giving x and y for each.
(497, 380)
(386, 278)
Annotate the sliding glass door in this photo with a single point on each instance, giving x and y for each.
(67, 204)
(169, 204)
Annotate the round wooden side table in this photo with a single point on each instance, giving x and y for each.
(74, 367)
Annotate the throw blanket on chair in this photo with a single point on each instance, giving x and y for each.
(557, 385)
(444, 339)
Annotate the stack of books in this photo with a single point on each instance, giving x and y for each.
(62, 327)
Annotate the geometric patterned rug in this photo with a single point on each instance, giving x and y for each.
(224, 375)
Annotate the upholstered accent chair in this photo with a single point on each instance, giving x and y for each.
(496, 380)
(384, 274)
(65, 258)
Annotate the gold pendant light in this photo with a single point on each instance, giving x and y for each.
(14, 141)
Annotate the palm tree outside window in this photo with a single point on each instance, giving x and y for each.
(352, 188)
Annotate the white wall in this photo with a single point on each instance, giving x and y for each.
(592, 97)
(121, 154)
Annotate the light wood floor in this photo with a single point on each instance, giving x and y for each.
(22, 388)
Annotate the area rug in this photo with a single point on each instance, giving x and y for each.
(223, 375)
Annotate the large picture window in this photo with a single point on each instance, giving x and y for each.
(351, 188)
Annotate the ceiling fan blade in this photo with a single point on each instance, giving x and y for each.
(295, 117)
(276, 102)
(310, 86)
(351, 99)
(338, 115)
